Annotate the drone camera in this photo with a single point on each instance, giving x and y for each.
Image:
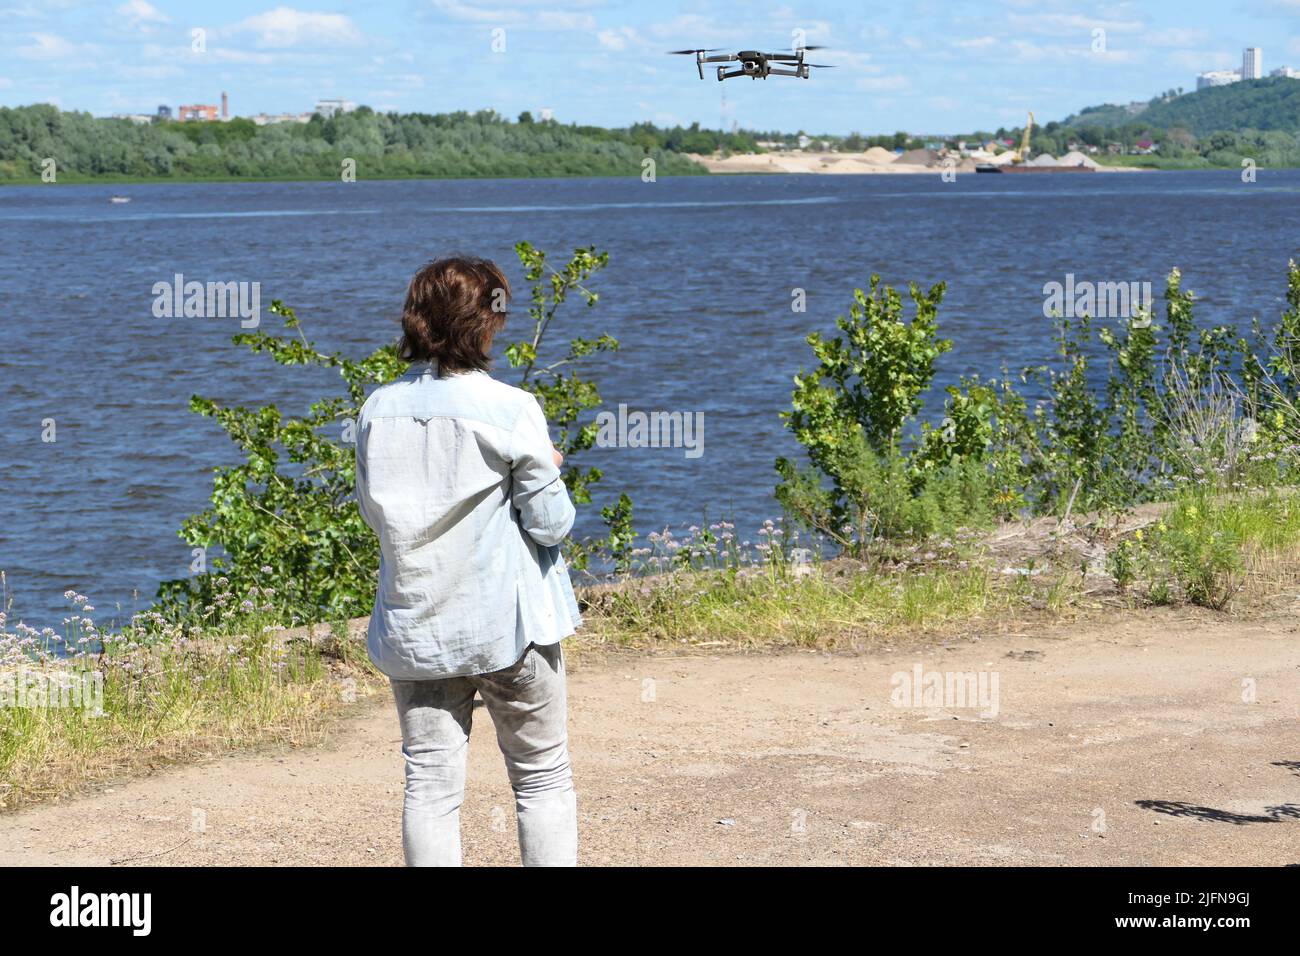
(755, 64)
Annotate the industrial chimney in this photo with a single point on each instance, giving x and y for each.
(225, 106)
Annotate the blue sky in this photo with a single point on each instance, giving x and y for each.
(927, 66)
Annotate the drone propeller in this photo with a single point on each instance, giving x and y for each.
(811, 47)
(687, 52)
(821, 66)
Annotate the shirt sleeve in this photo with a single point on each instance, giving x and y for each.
(538, 492)
(362, 482)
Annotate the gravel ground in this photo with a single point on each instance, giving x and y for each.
(1150, 740)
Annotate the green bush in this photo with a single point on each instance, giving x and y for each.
(1180, 406)
(286, 519)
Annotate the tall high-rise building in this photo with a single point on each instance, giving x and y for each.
(1252, 63)
(225, 106)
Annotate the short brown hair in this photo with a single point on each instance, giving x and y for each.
(453, 308)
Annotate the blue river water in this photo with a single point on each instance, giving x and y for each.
(700, 290)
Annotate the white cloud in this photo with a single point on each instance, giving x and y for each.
(48, 46)
(463, 11)
(1026, 52)
(286, 27)
(242, 56)
(1069, 24)
(160, 71)
(692, 29)
(616, 39)
(1200, 61)
(1177, 37)
(141, 13)
(975, 43)
(37, 11)
(849, 60)
(881, 84)
(516, 17)
(563, 20)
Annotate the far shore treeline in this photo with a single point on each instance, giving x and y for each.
(1221, 127)
(383, 146)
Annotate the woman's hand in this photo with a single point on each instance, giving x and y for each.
(555, 454)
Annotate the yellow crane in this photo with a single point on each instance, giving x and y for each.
(1022, 154)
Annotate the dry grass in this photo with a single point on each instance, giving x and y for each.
(162, 705)
(173, 701)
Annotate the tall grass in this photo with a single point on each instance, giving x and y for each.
(822, 606)
(164, 692)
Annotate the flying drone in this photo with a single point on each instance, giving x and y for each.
(755, 65)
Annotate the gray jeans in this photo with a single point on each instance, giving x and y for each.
(528, 707)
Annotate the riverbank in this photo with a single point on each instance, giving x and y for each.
(1123, 741)
(787, 161)
(180, 695)
(71, 179)
(875, 162)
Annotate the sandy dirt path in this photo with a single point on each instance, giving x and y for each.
(1132, 742)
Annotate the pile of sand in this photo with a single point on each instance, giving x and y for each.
(918, 157)
(1076, 158)
(1044, 159)
(878, 156)
(1001, 159)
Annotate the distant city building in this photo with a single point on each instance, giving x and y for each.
(164, 112)
(202, 111)
(225, 106)
(1217, 78)
(270, 119)
(1252, 63)
(546, 115)
(1287, 72)
(139, 119)
(328, 108)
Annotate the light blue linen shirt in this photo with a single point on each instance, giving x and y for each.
(456, 477)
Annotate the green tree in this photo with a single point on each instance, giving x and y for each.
(283, 525)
